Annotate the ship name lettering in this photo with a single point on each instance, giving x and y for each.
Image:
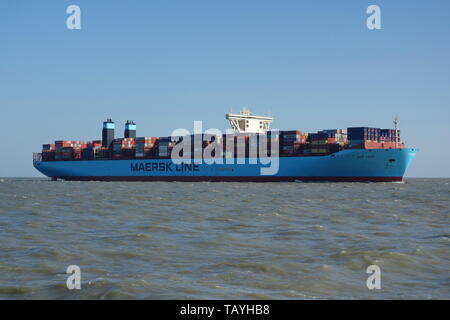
(149, 166)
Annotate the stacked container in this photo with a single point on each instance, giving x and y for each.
(128, 148)
(48, 152)
(92, 150)
(63, 144)
(293, 136)
(292, 141)
(318, 142)
(144, 146)
(338, 136)
(357, 135)
(117, 148)
(123, 148)
(48, 147)
(88, 153)
(389, 135)
(165, 146)
(65, 153)
(288, 142)
(69, 150)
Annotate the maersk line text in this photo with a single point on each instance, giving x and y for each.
(163, 166)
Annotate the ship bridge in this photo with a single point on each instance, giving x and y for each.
(246, 122)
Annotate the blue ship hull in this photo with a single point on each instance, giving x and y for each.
(348, 165)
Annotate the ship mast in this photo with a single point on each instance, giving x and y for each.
(396, 128)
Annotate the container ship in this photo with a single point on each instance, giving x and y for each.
(249, 152)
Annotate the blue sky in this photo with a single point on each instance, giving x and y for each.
(313, 64)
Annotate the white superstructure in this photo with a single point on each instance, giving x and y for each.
(246, 122)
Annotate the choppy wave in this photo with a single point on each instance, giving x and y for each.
(224, 240)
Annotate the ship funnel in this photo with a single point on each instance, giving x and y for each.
(107, 133)
(130, 129)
